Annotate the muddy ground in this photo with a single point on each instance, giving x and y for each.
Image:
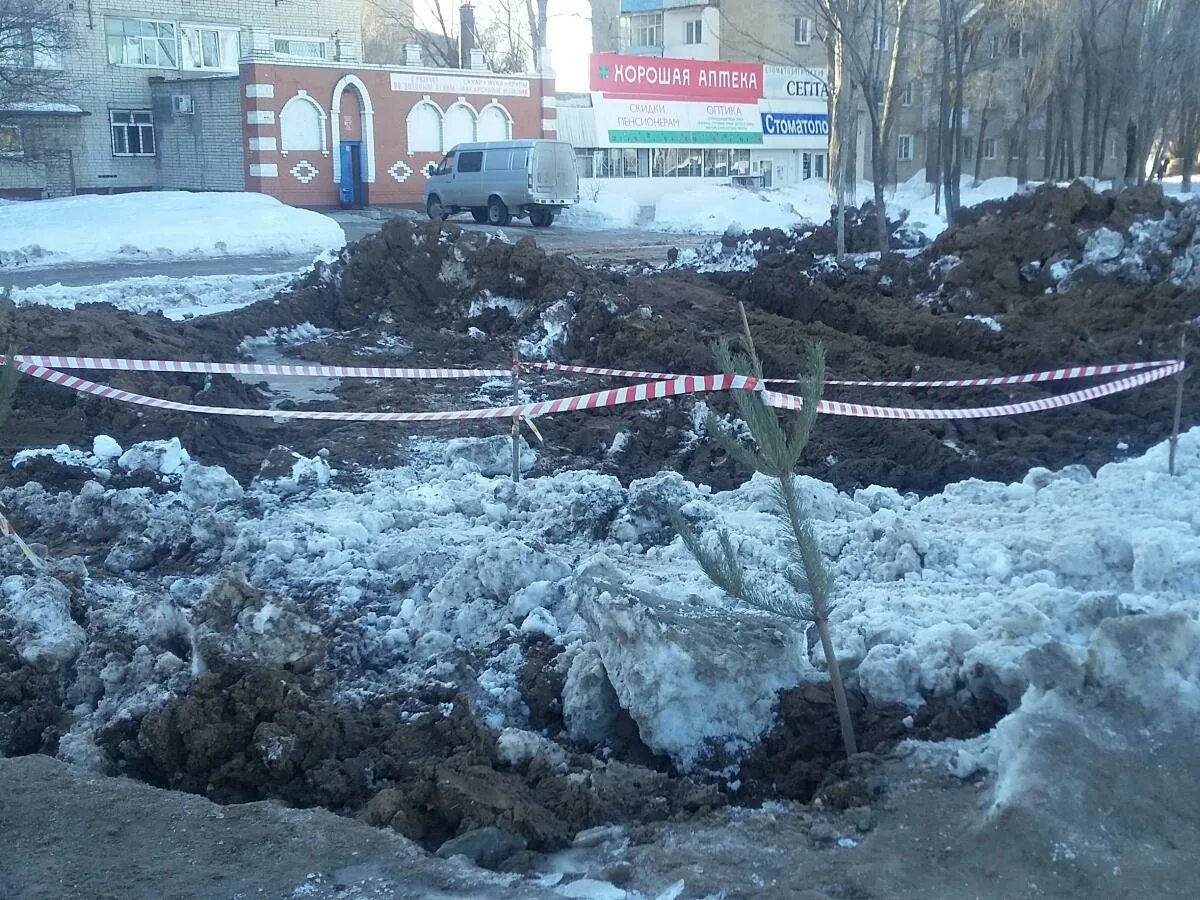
(435, 295)
(424, 289)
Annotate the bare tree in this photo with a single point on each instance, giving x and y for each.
(867, 39)
(33, 35)
(388, 25)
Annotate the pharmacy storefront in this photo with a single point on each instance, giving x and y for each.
(681, 118)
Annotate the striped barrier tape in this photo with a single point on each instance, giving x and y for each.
(215, 368)
(6, 530)
(833, 408)
(990, 381)
(654, 390)
(318, 371)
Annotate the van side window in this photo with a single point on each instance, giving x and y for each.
(446, 166)
(470, 161)
(520, 160)
(496, 160)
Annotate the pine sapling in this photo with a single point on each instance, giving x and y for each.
(776, 451)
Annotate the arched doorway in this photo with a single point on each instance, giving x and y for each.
(353, 126)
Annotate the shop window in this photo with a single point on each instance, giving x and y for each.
(425, 129)
(716, 163)
(208, 48)
(132, 132)
(140, 42)
(10, 141)
(739, 162)
(585, 163)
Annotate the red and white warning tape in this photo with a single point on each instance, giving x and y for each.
(6, 530)
(214, 368)
(654, 390)
(1029, 378)
(833, 408)
(687, 384)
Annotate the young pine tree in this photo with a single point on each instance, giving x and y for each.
(777, 448)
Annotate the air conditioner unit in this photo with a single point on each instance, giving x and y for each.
(183, 105)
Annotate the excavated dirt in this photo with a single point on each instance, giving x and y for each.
(421, 765)
(422, 294)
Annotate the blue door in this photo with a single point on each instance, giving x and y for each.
(352, 189)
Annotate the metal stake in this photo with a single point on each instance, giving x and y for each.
(1178, 405)
(516, 422)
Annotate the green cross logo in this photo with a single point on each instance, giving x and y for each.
(603, 73)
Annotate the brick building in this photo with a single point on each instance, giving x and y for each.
(262, 95)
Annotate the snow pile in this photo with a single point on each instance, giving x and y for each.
(1152, 251)
(409, 568)
(712, 208)
(159, 225)
(176, 298)
(603, 206)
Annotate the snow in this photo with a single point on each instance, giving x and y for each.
(159, 225)
(603, 205)
(31, 106)
(176, 298)
(986, 321)
(986, 589)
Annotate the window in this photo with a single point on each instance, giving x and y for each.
(968, 148)
(132, 132)
(470, 161)
(207, 47)
(989, 148)
(803, 30)
(10, 141)
(642, 31)
(301, 125)
(881, 36)
(425, 129)
(994, 47)
(906, 95)
(904, 147)
(30, 48)
(496, 160)
(1014, 149)
(300, 48)
(494, 123)
(739, 162)
(716, 163)
(693, 32)
(140, 42)
(1114, 148)
(1016, 44)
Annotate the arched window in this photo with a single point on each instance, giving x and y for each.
(459, 125)
(301, 124)
(495, 124)
(425, 128)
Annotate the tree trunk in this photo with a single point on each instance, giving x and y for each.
(879, 175)
(1131, 143)
(1048, 144)
(983, 121)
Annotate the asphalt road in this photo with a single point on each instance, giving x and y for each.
(587, 245)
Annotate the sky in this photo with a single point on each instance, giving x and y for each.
(570, 37)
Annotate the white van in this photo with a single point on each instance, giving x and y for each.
(498, 180)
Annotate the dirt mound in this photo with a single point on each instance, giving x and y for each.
(420, 764)
(30, 706)
(983, 300)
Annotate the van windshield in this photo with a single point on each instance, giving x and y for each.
(446, 166)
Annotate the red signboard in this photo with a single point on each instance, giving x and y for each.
(649, 77)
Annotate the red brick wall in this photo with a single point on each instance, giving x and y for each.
(306, 178)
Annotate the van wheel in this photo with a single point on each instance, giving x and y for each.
(479, 215)
(436, 211)
(497, 212)
(540, 217)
